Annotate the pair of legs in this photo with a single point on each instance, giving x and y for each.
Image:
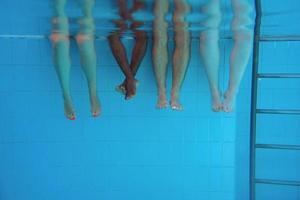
(160, 50)
(61, 55)
(210, 53)
(128, 86)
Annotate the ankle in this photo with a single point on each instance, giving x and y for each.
(174, 94)
(230, 92)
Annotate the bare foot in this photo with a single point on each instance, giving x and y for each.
(229, 101)
(216, 102)
(175, 104)
(69, 111)
(122, 87)
(162, 101)
(95, 106)
(130, 88)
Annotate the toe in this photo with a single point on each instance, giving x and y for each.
(121, 89)
(71, 116)
(96, 113)
(226, 109)
(129, 96)
(215, 109)
(176, 106)
(161, 105)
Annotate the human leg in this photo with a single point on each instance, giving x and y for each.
(241, 51)
(160, 50)
(210, 52)
(182, 51)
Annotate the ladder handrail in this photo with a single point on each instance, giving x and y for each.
(278, 182)
(278, 111)
(255, 60)
(278, 75)
(278, 146)
(280, 38)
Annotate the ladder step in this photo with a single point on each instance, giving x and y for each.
(279, 75)
(278, 182)
(278, 111)
(277, 146)
(280, 38)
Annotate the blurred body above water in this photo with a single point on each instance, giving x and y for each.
(107, 13)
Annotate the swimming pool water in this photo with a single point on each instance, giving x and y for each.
(134, 151)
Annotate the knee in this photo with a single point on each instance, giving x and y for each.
(56, 37)
(80, 38)
(209, 36)
(243, 35)
(114, 36)
(140, 35)
(111, 37)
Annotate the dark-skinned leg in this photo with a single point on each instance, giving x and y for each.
(119, 53)
(138, 52)
(119, 50)
(141, 39)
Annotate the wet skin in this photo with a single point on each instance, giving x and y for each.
(160, 52)
(61, 55)
(240, 53)
(128, 86)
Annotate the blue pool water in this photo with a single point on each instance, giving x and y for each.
(134, 151)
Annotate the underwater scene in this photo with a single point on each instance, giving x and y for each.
(150, 99)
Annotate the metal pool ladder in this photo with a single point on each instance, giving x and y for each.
(255, 111)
